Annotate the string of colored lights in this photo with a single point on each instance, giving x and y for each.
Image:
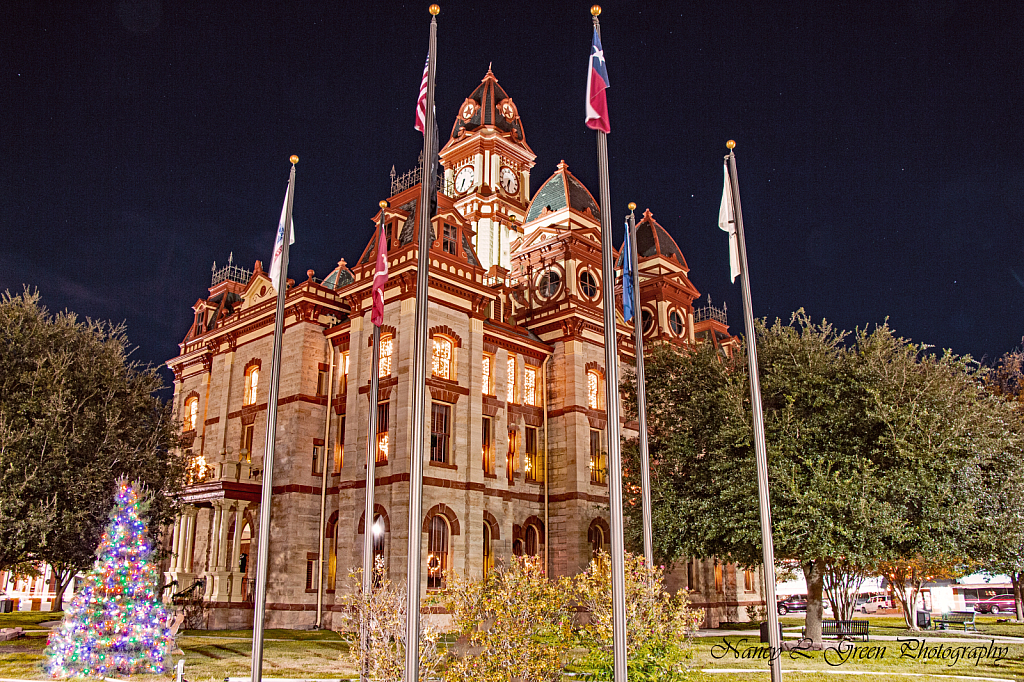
(115, 622)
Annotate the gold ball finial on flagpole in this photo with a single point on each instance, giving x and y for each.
(434, 9)
(383, 203)
(731, 144)
(631, 206)
(596, 10)
(294, 159)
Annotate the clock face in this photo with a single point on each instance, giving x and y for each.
(509, 181)
(464, 180)
(468, 109)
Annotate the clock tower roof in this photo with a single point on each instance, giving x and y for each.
(562, 190)
(489, 106)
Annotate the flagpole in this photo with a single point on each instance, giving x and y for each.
(323, 496)
(641, 392)
(260, 602)
(419, 379)
(611, 362)
(760, 451)
(371, 474)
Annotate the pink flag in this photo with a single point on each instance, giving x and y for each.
(421, 103)
(380, 278)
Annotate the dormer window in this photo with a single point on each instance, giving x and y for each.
(450, 240)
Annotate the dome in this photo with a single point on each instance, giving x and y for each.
(654, 240)
(489, 106)
(559, 191)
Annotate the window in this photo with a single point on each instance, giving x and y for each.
(511, 379)
(588, 285)
(691, 576)
(442, 359)
(675, 321)
(387, 233)
(252, 380)
(647, 320)
(339, 449)
(378, 548)
(450, 241)
(437, 553)
(440, 425)
(598, 465)
(318, 460)
(593, 389)
(386, 347)
(488, 553)
(517, 547)
(310, 572)
(718, 577)
(383, 418)
(191, 413)
(510, 458)
(486, 374)
(487, 446)
(748, 580)
(532, 540)
(332, 556)
(321, 382)
(344, 373)
(549, 283)
(534, 467)
(245, 448)
(530, 386)
(595, 536)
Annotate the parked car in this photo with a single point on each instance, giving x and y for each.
(1001, 603)
(872, 604)
(794, 602)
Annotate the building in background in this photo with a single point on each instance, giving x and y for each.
(517, 417)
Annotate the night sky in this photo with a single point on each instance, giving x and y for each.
(880, 161)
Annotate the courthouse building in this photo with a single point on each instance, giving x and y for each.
(517, 420)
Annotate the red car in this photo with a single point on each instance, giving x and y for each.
(1001, 603)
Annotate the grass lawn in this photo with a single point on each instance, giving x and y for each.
(211, 656)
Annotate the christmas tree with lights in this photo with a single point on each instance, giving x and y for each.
(115, 623)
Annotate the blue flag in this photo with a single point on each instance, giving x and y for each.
(627, 278)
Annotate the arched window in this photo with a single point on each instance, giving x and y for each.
(594, 389)
(378, 548)
(517, 547)
(442, 358)
(252, 381)
(676, 323)
(488, 552)
(595, 536)
(588, 285)
(386, 347)
(191, 414)
(437, 552)
(532, 540)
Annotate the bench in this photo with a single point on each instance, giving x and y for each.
(845, 629)
(964, 618)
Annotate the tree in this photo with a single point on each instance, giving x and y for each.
(116, 623)
(75, 413)
(870, 446)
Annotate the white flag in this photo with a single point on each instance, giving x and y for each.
(275, 261)
(727, 221)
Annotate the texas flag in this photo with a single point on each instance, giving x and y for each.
(597, 81)
(380, 278)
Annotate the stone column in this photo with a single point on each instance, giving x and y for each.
(219, 589)
(236, 549)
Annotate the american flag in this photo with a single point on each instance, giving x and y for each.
(421, 103)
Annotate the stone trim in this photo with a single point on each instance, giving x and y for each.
(447, 331)
(441, 509)
(493, 523)
(385, 330)
(377, 509)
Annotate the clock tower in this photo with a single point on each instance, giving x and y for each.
(487, 168)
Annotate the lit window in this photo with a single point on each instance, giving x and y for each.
(534, 466)
(510, 458)
(593, 389)
(511, 379)
(719, 583)
(437, 553)
(440, 431)
(588, 285)
(191, 413)
(442, 362)
(530, 386)
(595, 536)
(386, 347)
(344, 373)
(598, 463)
(532, 540)
(487, 445)
(245, 448)
(450, 239)
(488, 554)
(748, 580)
(339, 449)
(486, 375)
(675, 321)
(252, 381)
(383, 419)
